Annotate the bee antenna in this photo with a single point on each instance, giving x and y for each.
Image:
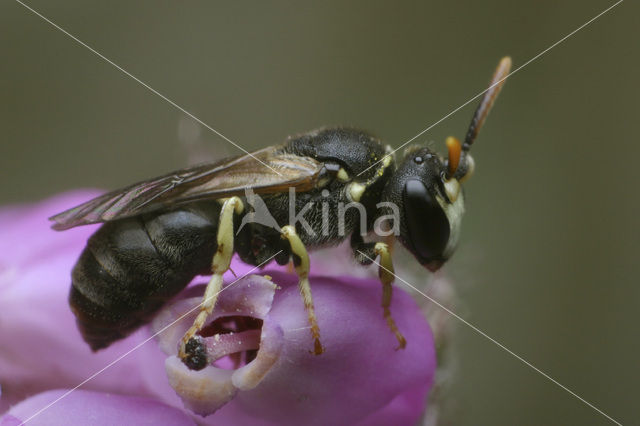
(455, 150)
(497, 81)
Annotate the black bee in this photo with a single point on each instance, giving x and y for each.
(317, 189)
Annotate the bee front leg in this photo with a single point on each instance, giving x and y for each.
(364, 254)
(192, 351)
(301, 264)
(385, 272)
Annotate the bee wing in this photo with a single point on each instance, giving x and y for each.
(265, 171)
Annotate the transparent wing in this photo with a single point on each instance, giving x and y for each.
(205, 182)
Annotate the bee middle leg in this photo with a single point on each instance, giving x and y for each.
(365, 253)
(192, 351)
(301, 264)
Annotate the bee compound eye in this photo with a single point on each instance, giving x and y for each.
(426, 222)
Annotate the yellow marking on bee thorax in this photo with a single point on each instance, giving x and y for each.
(386, 161)
(356, 190)
(342, 175)
(323, 182)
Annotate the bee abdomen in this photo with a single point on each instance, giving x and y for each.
(131, 267)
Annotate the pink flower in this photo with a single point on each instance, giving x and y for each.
(361, 379)
(84, 407)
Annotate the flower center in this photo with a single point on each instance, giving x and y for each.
(232, 341)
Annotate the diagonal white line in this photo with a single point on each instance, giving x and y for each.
(94, 375)
(299, 328)
(145, 85)
(495, 84)
(500, 345)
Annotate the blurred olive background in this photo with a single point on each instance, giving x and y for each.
(548, 262)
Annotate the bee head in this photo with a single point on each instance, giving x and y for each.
(427, 189)
(429, 198)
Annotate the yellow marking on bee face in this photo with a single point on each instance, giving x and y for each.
(342, 175)
(356, 190)
(452, 187)
(454, 212)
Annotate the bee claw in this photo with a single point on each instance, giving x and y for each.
(317, 347)
(402, 342)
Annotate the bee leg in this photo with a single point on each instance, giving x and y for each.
(192, 351)
(301, 264)
(385, 272)
(364, 254)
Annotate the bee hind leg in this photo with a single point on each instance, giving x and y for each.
(192, 351)
(301, 264)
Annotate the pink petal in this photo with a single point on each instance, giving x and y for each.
(41, 348)
(94, 408)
